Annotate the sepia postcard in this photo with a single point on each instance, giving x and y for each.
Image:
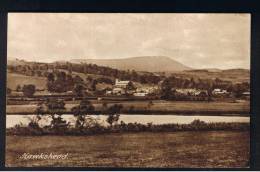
(128, 90)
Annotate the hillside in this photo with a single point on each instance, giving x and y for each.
(14, 79)
(233, 75)
(145, 63)
(16, 61)
(157, 64)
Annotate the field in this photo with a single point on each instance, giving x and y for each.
(176, 149)
(14, 79)
(233, 75)
(157, 107)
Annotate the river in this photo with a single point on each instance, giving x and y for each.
(12, 120)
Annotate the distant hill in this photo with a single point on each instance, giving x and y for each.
(15, 61)
(144, 63)
(234, 75)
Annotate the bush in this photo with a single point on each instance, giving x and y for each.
(29, 90)
(8, 91)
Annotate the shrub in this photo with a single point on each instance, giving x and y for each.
(29, 90)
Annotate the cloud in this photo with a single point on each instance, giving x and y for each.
(193, 39)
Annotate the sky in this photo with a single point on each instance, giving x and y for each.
(196, 40)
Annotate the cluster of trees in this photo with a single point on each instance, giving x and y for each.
(115, 73)
(55, 108)
(28, 90)
(62, 82)
(36, 69)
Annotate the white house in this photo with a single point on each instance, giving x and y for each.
(218, 91)
(121, 84)
(139, 94)
(121, 87)
(247, 93)
(118, 91)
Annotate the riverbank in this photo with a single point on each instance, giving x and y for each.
(214, 149)
(93, 127)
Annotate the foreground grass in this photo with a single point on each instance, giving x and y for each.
(167, 149)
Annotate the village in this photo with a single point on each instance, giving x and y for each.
(127, 88)
(122, 88)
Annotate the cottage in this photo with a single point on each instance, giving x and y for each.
(123, 87)
(108, 92)
(218, 91)
(118, 91)
(121, 84)
(140, 94)
(246, 95)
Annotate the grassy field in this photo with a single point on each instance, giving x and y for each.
(14, 79)
(233, 75)
(164, 106)
(176, 149)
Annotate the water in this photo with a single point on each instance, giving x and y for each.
(12, 120)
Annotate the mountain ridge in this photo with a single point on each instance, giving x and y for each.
(142, 63)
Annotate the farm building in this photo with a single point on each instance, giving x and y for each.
(123, 87)
(218, 91)
(140, 94)
(121, 84)
(246, 95)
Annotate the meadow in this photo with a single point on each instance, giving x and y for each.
(188, 149)
(157, 107)
(14, 79)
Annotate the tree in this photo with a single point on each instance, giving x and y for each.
(130, 87)
(167, 91)
(81, 111)
(89, 79)
(113, 113)
(39, 73)
(150, 104)
(55, 108)
(29, 90)
(61, 76)
(78, 90)
(78, 80)
(18, 88)
(93, 85)
(8, 91)
(51, 77)
(34, 121)
(69, 82)
(104, 106)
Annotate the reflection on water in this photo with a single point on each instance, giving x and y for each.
(12, 120)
